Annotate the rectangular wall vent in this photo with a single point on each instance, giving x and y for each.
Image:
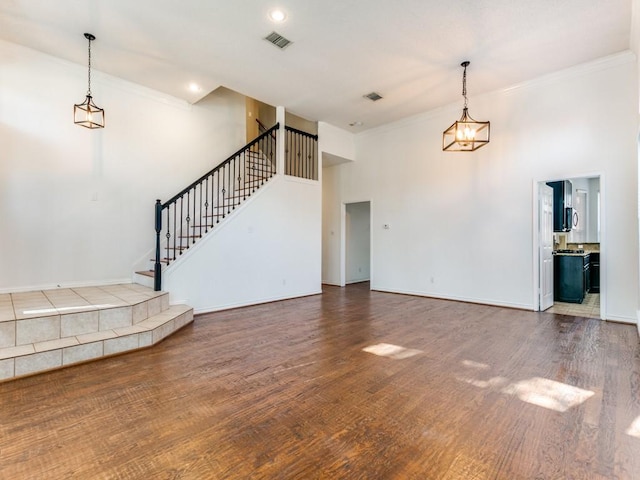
(278, 40)
(373, 96)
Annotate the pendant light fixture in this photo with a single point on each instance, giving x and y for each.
(466, 134)
(87, 113)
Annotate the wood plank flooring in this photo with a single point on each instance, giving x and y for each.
(285, 391)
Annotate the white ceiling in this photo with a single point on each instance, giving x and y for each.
(409, 51)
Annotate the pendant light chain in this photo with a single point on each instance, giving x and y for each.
(464, 86)
(89, 83)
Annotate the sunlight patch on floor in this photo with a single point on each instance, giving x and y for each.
(476, 365)
(495, 382)
(548, 393)
(634, 429)
(392, 351)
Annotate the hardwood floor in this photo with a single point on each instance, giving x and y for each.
(285, 391)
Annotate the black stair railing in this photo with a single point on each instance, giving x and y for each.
(197, 209)
(301, 154)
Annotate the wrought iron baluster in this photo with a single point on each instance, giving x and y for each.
(236, 184)
(217, 208)
(303, 156)
(307, 157)
(206, 208)
(300, 142)
(212, 202)
(225, 202)
(230, 185)
(272, 155)
(199, 216)
(188, 221)
(287, 150)
(174, 206)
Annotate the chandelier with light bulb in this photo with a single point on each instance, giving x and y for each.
(466, 134)
(88, 114)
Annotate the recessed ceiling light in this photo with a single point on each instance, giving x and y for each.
(194, 87)
(277, 16)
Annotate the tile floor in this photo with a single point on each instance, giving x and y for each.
(47, 329)
(65, 301)
(589, 308)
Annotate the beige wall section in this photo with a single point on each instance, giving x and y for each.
(252, 114)
(300, 123)
(266, 114)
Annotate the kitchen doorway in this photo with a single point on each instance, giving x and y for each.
(575, 276)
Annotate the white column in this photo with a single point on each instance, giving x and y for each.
(280, 136)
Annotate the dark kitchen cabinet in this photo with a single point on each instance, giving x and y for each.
(571, 277)
(562, 202)
(587, 275)
(595, 272)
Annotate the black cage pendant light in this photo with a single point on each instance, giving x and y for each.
(87, 113)
(466, 134)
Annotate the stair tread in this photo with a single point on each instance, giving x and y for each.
(147, 273)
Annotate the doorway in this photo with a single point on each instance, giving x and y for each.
(585, 237)
(357, 228)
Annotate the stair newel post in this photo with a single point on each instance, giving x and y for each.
(157, 271)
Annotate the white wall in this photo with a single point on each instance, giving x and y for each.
(267, 250)
(336, 141)
(76, 206)
(462, 224)
(358, 241)
(336, 146)
(594, 190)
(331, 227)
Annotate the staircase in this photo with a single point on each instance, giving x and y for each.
(50, 329)
(199, 208)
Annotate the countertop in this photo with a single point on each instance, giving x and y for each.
(573, 253)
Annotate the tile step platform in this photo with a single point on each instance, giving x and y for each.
(51, 329)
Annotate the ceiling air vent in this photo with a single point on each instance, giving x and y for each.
(278, 40)
(373, 96)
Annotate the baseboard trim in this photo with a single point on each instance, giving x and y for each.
(230, 306)
(619, 319)
(479, 301)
